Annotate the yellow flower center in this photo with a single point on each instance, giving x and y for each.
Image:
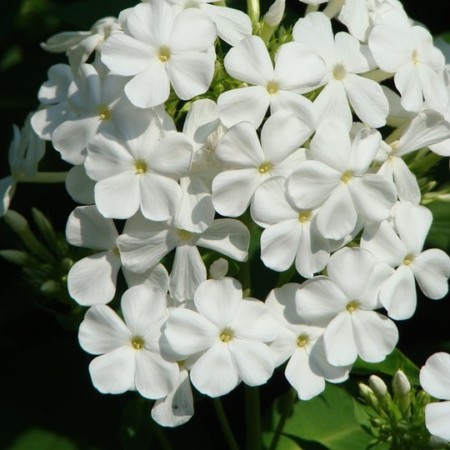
(226, 335)
(137, 343)
(339, 72)
(140, 167)
(352, 306)
(302, 340)
(415, 57)
(304, 216)
(183, 235)
(104, 113)
(347, 176)
(408, 260)
(272, 87)
(164, 54)
(265, 167)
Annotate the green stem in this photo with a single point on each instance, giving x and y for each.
(283, 417)
(253, 11)
(232, 444)
(253, 418)
(44, 177)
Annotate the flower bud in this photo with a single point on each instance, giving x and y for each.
(275, 13)
(16, 221)
(218, 269)
(14, 256)
(378, 386)
(400, 384)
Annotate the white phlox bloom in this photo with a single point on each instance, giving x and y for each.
(360, 16)
(92, 280)
(131, 355)
(337, 180)
(25, 151)
(162, 47)
(79, 186)
(344, 303)
(345, 59)
(435, 379)
(298, 69)
(232, 24)
(79, 45)
(195, 210)
(402, 249)
(139, 174)
(230, 334)
(247, 162)
(426, 128)
(178, 407)
(301, 345)
(145, 243)
(408, 52)
(290, 234)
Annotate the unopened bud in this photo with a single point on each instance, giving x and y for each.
(378, 386)
(14, 256)
(400, 384)
(275, 13)
(218, 269)
(16, 221)
(50, 287)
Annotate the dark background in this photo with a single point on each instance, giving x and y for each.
(47, 400)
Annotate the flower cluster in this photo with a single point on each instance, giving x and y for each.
(190, 126)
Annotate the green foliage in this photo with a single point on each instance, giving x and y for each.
(39, 439)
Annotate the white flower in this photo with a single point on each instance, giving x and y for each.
(409, 53)
(344, 303)
(130, 352)
(403, 251)
(247, 162)
(161, 47)
(230, 334)
(337, 180)
(145, 243)
(307, 367)
(345, 59)
(297, 70)
(139, 174)
(290, 233)
(435, 379)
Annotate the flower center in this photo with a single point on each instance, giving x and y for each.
(272, 87)
(304, 216)
(104, 113)
(137, 343)
(415, 57)
(347, 176)
(265, 167)
(140, 167)
(302, 340)
(339, 72)
(352, 306)
(408, 260)
(183, 235)
(164, 54)
(226, 335)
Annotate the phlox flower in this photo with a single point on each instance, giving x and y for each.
(140, 173)
(247, 162)
(228, 333)
(130, 352)
(301, 345)
(402, 249)
(345, 60)
(343, 302)
(337, 179)
(408, 52)
(162, 47)
(290, 234)
(144, 243)
(435, 379)
(297, 70)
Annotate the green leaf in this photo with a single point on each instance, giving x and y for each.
(285, 443)
(395, 361)
(39, 439)
(328, 419)
(439, 234)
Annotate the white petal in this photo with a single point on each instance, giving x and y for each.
(79, 186)
(113, 372)
(102, 331)
(215, 374)
(405, 181)
(364, 149)
(92, 280)
(375, 335)
(252, 360)
(437, 416)
(435, 376)
(339, 341)
(155, 377)
(188, 272)
(432, 270)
